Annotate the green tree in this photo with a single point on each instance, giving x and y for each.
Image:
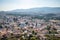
(33, 38)
(52, 31)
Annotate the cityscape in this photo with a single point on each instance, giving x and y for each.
(29, 20)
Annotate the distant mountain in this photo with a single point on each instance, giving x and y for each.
(45, 12)
(42, 10)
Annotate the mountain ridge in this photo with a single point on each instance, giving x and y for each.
(37, 10)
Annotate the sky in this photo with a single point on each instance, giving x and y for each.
(26, 4)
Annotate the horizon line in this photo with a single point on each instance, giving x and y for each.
(28, 8)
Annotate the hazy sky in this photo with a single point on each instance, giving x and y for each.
(25, 4)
